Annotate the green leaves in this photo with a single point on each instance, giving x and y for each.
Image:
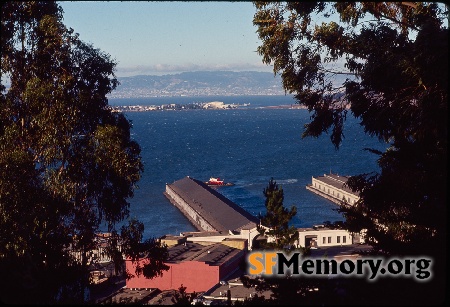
(148, 256)
(299, 47)
(395, 56)
(277, 217)
(68, 164)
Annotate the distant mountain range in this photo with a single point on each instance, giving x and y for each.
(199, 83)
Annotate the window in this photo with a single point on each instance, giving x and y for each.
(323, 240)
(344, 239)
(329, 239)
(338, 239)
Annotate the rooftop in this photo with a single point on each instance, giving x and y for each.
(130, 296)
(341, 251)
(213, 254)
(317, 229)
(201, 233)
(336, 181)
(223, 214)
(236, 287)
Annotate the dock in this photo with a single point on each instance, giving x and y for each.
(333, 187)
(207, 209)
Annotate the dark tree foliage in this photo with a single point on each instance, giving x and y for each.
(151, 250)
(67, 162)
(395, 57)
(182, 298)
(275, 222)
(256, 300)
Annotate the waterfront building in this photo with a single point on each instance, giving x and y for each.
(211, 212)
(198, 266)
(333, 187)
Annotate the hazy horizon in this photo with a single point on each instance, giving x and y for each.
(158, 38)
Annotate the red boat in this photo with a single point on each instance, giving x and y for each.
(217, 182)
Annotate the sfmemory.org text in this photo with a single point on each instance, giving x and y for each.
(281, 264)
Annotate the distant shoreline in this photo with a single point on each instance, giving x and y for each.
(284, 106)
(199, 106)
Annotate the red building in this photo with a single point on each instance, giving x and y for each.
(196, 266)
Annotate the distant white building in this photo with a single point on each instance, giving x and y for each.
(332, 187)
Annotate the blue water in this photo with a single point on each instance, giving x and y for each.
(245, 146)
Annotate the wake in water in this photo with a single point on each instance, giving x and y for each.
(285, 181)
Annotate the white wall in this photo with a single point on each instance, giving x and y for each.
(326, 237)
(333, 191)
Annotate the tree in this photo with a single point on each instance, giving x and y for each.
(181, 297)
(151, 250)
(289, 290)
(67, 162)
(275, 222)
(395, 57)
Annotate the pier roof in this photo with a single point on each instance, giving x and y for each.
(223, 214)
(336, 181)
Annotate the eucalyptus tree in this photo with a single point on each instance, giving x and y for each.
(393, 57)
(67, 162)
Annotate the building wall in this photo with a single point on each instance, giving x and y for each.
(333, 192)
(193, 214)
(327, 237)
(231, 265)
(241, 244)
(172, 240)
(245, 234)
(250, 235)
(194, 275)
(210, 239)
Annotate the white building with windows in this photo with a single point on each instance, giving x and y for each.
(332, 187)
(321, 236)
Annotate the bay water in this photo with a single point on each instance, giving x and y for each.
(247, 146)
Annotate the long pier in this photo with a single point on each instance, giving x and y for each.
(207, 209)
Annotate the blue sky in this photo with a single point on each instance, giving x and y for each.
(169, 37)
